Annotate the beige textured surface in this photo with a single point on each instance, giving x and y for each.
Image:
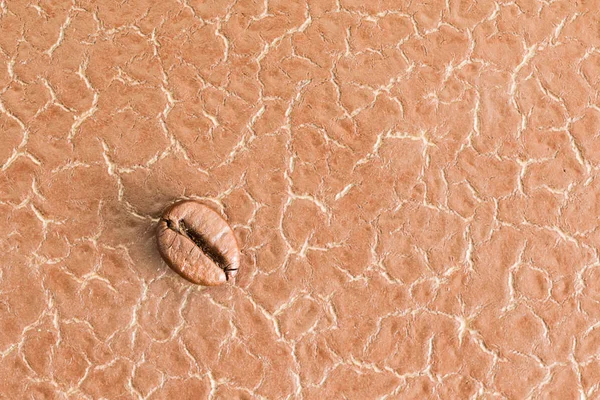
(414, 185)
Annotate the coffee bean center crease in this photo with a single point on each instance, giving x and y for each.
(198, 244)
(207, 248)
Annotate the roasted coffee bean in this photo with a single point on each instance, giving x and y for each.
(198, 244)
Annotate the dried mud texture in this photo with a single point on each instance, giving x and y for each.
(414, 186)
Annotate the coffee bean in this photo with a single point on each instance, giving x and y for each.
(198, 244)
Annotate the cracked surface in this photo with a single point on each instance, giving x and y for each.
(413, 185)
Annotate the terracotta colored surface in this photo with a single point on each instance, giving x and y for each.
(414, 185)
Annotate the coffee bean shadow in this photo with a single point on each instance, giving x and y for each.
(123, 229)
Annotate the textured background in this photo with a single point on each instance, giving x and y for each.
(414, 185)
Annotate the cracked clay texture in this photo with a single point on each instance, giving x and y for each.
(414, 186)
